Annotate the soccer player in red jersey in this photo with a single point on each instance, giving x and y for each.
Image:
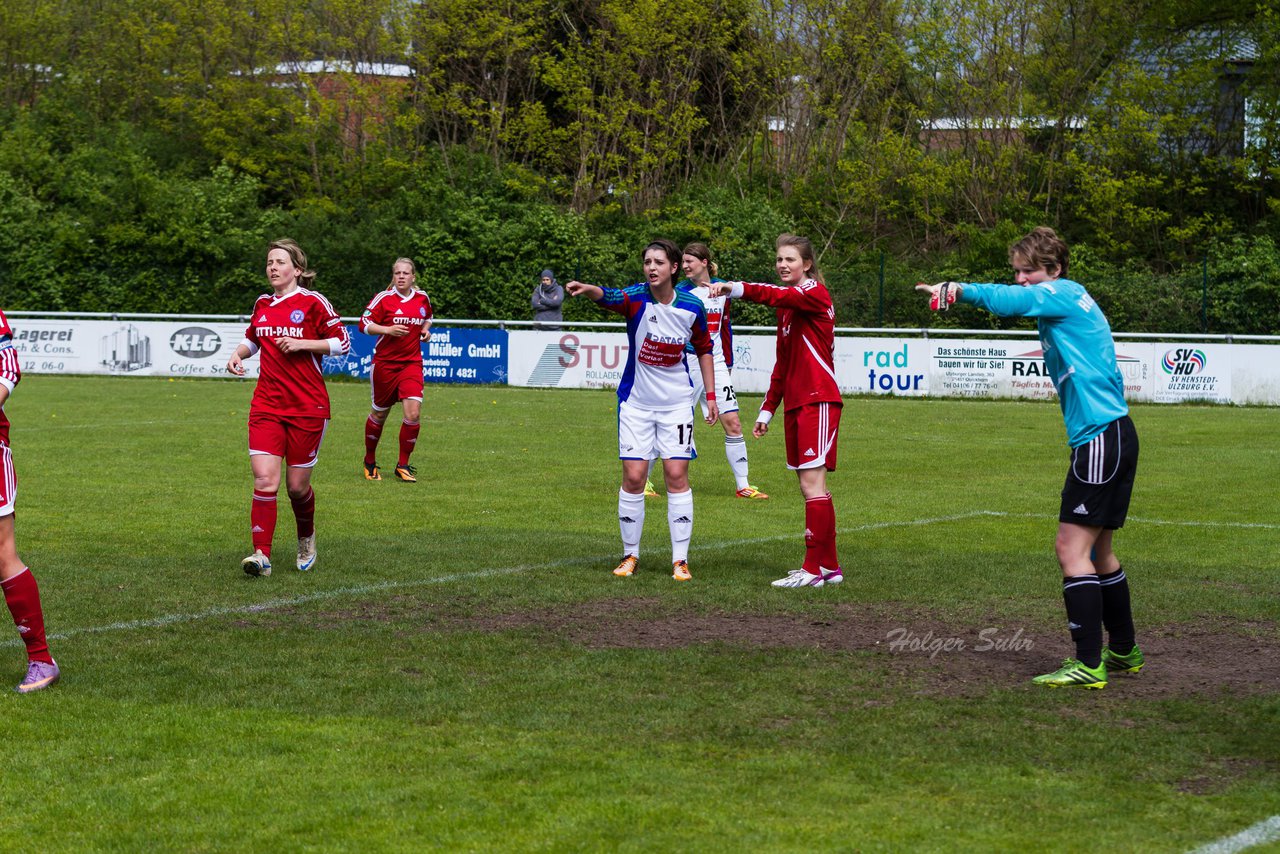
(804, 376)
(20, 591)
(293, 328)
(401, 316)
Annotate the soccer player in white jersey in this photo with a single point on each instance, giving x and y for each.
(292, 329)
(655, 397)
(700, 271)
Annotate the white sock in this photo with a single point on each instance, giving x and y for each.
(680, 523)
(630, 521)
(735, 448)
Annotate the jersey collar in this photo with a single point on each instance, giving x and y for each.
(278, 298)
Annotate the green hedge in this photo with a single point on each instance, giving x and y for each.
(102, 226)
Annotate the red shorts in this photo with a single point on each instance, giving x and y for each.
(295, 438)
(395, 381)
(8, 481)
(811, 435)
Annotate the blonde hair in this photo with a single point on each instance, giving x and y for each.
(413, 268)
(1042, 248)
(297, 256)
(805, 246)
(702, 253)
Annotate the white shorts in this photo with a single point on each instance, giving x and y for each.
(646, 435)
(726, 398)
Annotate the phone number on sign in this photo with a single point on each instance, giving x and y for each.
(446, 373)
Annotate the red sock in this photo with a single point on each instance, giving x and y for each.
(830, 560)
(23, 598)
(819, 534)
(372, 433)
(263, 516)
(304, 511)
(408, 438)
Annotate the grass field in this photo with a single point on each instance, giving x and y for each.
(462, 672)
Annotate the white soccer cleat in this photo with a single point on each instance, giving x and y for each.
(799, 578)
(306, 552)
(832, 576)
(257, 564)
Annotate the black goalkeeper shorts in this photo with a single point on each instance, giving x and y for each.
(1100, 479)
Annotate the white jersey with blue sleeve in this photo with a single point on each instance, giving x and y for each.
(1079, 352)
(657, 377)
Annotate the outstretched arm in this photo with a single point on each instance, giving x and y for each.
(1044, 300)
(812, 296)
(592, 292)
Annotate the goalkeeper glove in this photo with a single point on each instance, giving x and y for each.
(943, 295)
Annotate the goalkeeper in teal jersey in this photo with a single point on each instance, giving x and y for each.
(1080, 358)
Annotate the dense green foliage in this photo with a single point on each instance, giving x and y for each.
(461, 671)
(150, 148)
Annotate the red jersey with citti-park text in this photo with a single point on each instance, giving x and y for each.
(10, 370)
(805, 369)
(293, 383)
(389, 308)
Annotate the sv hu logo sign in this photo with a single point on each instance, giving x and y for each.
(1183, 362)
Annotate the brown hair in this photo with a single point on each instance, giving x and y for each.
(702, 253)
(1042, 248)
(668, 248)
(805, 247)
(297, 256)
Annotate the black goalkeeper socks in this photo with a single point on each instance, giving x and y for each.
(1116, 613)
(1082, 595)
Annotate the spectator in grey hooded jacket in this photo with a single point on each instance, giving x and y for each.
(547, 298)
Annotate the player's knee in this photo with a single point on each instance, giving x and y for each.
(266, 483)
(1070, 550)
(10, 563)
(813, 482)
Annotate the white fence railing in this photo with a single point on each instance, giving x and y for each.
(912, 362)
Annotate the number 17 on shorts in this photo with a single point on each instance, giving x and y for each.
(645, 435)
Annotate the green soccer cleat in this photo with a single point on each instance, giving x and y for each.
(649, 491)
(1074, 674)
(1131, 662)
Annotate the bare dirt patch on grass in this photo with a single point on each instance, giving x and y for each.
(939, 654)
